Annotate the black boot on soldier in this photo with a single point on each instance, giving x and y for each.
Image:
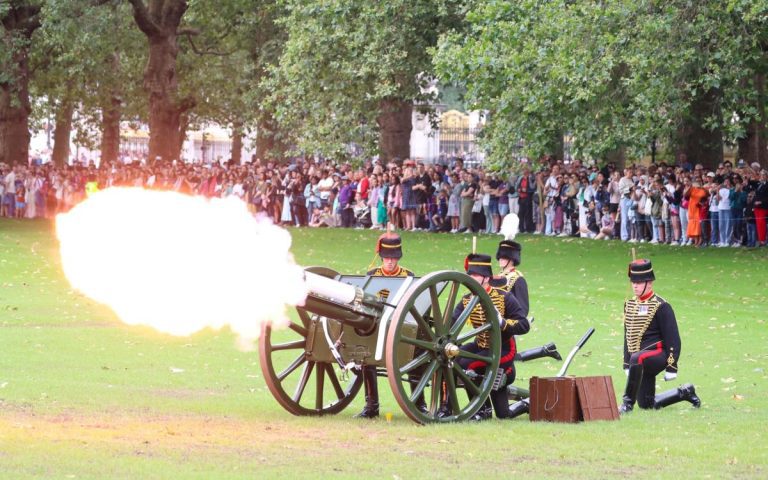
(371, 384)
(634, 377)
(548, 350)
(519, 408)
(683, 393)
(485, 412)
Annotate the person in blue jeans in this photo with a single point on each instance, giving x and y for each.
(724, 212)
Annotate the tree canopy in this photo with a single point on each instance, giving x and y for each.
(612, 73)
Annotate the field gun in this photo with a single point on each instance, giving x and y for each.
(404, 326)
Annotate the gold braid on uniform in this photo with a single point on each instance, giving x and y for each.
(477, 316)
(637, 317)
(511, 279)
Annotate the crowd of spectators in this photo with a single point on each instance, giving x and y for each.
(684, 204)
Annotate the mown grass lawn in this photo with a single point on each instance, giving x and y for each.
(84, 396)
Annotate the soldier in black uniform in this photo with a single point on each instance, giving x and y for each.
(389, 248)
(512, 321)
(512, 280)
(651, 345)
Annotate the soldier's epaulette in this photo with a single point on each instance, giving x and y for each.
(372, 272)
(498, 291)
(659, 298)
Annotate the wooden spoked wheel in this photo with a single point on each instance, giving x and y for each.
(424, 347)
(300, 385)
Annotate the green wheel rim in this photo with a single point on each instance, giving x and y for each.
(430, 368)
(301, 386)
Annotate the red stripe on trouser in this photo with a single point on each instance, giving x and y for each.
(511, 354)
(645, 355)
(506, 358)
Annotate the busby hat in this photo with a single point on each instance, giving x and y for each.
(478, 264)
(641, 270)
(510, 250)
(389, 245)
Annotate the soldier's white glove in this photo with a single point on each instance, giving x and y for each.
(501, 318)
(626, 372)
(670, 376)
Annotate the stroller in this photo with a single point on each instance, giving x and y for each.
(362, 215)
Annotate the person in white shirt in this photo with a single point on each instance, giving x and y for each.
(9, 200)
(724, 215)
(626, 184)
(325, 185)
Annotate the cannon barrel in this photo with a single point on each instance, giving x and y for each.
(343, 302)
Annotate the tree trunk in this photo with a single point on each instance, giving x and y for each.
(111, 113)
(14, 112)
(19, 21)
(110, 131)
(160, 20)
(268, 144)
(62, 135)
(183, 127)
(557, 147)
(237, 142)
(700, 143)
(164, 112)
(754, 147)
(395, 124)
(618, 156)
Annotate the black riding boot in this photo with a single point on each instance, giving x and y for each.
(371, 408)
(519, 408)
(548, 350)
(683, 393)
(500, 402)
(633, 384)
(485, 412)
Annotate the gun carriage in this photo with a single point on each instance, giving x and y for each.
(403, 326)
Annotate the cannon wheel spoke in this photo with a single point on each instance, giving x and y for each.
(450, 304)
(320, 379)
(419, 388)
(289, 345)
(418, 343)
(334, 381)
(299, 329)
(453, 398)
(473, 333)
(308, 367)
(288, 383)
(292, 367)
(422, 368)
(422, 323)
(474, 356)
(415, 363)
(468, 383)
(462, 319)
(436, 313)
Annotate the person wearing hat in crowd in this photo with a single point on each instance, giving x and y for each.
(512, 321)
(651, 345)
(389, 248)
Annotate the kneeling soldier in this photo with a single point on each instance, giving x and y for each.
(389, 248)
(512, 321)
(651, 345)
